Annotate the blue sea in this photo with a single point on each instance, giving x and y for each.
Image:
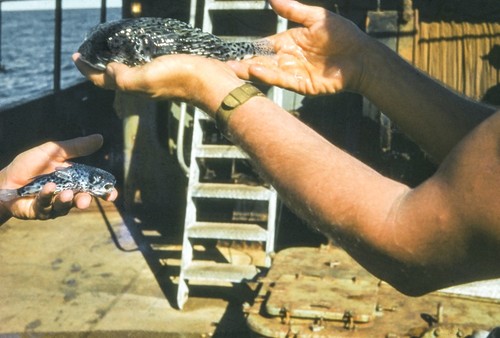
(27, 50)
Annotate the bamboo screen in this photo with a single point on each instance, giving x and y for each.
(464, 56)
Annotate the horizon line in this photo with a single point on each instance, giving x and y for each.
(33, 5)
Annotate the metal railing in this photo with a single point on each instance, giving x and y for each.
(58, 17)
(1, 65)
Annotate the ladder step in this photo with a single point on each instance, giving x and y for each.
(203, 116)
(234, 231)
(236, 5)
(219, 151)
(210, 271)
(230, 191)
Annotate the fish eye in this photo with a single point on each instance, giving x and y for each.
(108, 186)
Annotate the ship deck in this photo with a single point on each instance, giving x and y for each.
(86, 275)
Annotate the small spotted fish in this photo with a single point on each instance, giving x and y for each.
(77, 177)
(139, 40)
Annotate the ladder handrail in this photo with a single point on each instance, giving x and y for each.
(183, 107)
(180, 138)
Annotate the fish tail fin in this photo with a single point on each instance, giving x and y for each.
(242, 50)
(7, 195)
(263, 47)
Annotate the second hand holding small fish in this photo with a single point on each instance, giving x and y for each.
(77, 178)
(38, 162)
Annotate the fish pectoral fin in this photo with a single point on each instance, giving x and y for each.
(63, 174)
(70, 164)
(58, 170)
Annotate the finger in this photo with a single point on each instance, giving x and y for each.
(140, 79)
(240, 69)
(298, 12)
(43, 200)
(92, 74)
(82, 200)
(77, 147)
(99, 78)
(42, 206)
(115, 69)
(126, 78)
(255, 73)
(244, 69)
(63, 202)
(272, 76)
(112, 196)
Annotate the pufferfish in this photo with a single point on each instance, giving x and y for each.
(77, 177)
(139, 40)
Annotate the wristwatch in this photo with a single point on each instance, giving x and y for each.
(233, 100)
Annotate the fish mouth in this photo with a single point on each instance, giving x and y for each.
(104, 191)
(101, 194)
(98, 66)
(94, 50)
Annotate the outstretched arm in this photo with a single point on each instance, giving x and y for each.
(444, 232)
(330, 54)
(41, 160)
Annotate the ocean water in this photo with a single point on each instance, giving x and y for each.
(27, 50)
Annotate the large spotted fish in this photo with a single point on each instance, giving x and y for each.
(137, 41)
(77, 177)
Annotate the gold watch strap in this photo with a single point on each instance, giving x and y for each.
(233, 100)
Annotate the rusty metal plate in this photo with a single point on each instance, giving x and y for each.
(323, 298)
(307, 289)
(322, 262)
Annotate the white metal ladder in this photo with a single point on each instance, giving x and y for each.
(196, 228)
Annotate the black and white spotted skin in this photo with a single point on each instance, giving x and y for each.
(77, 177)
(137, 41)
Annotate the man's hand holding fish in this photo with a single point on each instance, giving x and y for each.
(181, 77)
(41, 160)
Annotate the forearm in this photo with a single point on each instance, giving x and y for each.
(435, 117)
(329, 188)
(343, 198)
(412, 238)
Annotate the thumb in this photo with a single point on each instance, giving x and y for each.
(298, 12)
(122, 77)
(80, 146)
